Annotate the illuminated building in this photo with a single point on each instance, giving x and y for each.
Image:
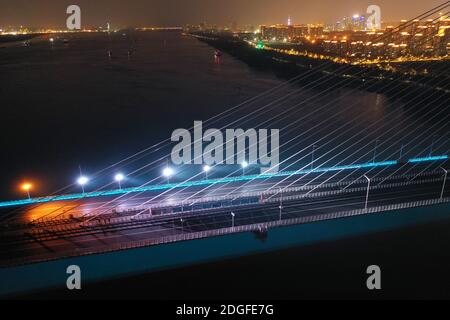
(281, 31)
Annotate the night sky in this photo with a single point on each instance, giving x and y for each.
(51, 13)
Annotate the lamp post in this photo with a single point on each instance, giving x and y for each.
(27, 187)
(168, 172)
(443, 185)
(119, 178)
(312, 156)
(368, 189)
(82, 181)
(281, 202)
(375, 150)
(206, 169)
(244, 165)
(232, 219)
(432, 146)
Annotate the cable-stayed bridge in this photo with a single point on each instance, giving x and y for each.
(70, 227)
(337, 180)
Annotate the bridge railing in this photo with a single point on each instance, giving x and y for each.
(258, 227)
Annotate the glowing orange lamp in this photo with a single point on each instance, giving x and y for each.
(27, 187)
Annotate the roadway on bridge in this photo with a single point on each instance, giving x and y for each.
(46, 240)
(194, 194)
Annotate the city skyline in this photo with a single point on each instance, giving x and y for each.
(51, 13)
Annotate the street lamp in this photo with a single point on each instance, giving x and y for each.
(82, 181)
(312, 156)
(27, 187)
(368, 188)
(432, 146)
(206, 169)
(244, 165)
(281, 202)
(375, 150)
(401, 152)
(445, 180)
(232, 219)
(119, 178)
(168, 172)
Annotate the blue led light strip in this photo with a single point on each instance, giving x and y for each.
(197, 183)
(435, 158)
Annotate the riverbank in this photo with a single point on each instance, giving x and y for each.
(6, 38)
(325, 74)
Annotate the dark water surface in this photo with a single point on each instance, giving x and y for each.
(69, 104)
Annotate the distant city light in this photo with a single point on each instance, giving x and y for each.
(244, 164)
